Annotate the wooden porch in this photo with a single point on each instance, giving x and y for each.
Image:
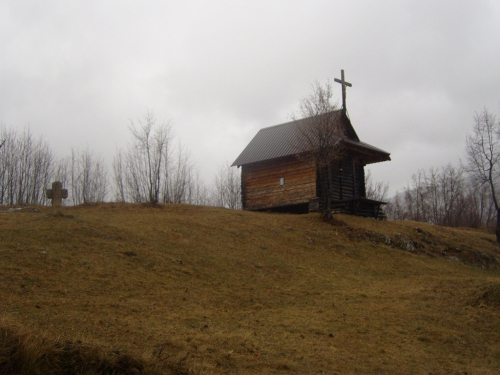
(354, 206)
(360, 207)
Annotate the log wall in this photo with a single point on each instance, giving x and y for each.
(261, 182)
(348, 180)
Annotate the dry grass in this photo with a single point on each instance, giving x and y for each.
(23, 352)
(195, 290)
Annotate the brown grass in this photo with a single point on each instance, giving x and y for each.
(196, 290)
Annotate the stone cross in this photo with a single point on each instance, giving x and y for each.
(344, 84)
(57, 194)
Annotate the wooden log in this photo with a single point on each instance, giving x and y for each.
(262, 182)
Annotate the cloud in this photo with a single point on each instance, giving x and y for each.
(79, 71)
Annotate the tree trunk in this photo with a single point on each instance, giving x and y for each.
(327, 212)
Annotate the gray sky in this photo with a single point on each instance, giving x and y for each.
(78, 71)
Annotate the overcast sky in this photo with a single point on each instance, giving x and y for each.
(78, 71)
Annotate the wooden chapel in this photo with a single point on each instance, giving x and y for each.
(278, 176)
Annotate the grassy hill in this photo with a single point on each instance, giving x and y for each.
(177, 289)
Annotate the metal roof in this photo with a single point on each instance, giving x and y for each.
(284, 140)
(365, 146)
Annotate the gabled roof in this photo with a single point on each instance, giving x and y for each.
(283, 140)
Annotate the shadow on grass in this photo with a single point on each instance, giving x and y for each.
(23, 353)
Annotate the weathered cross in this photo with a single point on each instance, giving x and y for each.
(57, 194)
(344, 84)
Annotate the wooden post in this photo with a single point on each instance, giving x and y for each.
(340, 178)
(354, 192)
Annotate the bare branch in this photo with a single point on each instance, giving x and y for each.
(319, 135)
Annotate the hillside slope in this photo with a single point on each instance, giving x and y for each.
(198, 290)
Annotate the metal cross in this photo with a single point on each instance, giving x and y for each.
(344, 84)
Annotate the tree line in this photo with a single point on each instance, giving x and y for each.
(154, 167)
(458, 196)
(444, 196)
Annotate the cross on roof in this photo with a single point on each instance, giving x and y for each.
(343, 82)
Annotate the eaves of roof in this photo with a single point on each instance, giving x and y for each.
(283, 140)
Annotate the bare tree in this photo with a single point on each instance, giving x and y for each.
(151, 148)
(25, 168)
(61, 171)
(320, 136)
(453, 193)
(156, 167)
(141, 171)
(444, 196)
(396, 209)
(375, 190)
(227, 188)
(88, 177)
(178, 181)
(483, 157)
(198, 192)
(119, 176)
